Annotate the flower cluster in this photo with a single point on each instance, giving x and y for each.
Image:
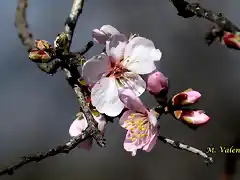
(115, 83)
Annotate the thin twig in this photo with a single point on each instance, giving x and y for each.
(185, 147)
(22, 25)
(188, 10)
(192, 9)
(65, 148)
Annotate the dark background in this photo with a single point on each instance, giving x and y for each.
(37, 109)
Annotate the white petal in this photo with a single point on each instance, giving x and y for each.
(115, 46)
(104, 96)
(94, 68)
(99, 36)
(132, 81)
(109, 30)
(152, 117)
(78, 125)
(140, 54)
(101, 121)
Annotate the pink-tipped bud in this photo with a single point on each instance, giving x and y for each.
(186, 97)
(197, 117)
(231, 40)
(157, 83)
(39, 56)
(43, 45)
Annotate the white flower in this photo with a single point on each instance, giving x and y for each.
(119, 68)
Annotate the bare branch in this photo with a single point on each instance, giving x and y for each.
(22, 25)
(71, 21)
(73, 74)
(188, 10)
(65, 148)
(185, 147)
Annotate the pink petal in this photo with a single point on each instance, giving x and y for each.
(128, 145)
(109, 30)
(131, 101)
(105, 32)
(153, 136)
(99, 36)
(95, 68)
(86, 144)
(115, 47)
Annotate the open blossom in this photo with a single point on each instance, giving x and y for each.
(141, 124)
(119, 68)
(104, 33)
(80, 124)
(156, 83)
(195, 117)
(186, 97)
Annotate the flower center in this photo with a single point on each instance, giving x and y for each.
(116, 69)
(137, 127)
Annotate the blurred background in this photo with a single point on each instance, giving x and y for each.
(36, 109)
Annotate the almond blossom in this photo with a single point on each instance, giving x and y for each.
(80, 124)
(119, 68)
(141, 124)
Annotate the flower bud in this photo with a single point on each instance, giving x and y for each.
(39, 56)
(43, 45)
(61, 42)
(192, 117)
(156, 83)
(104, 33)
(186, 97)
(231, 40)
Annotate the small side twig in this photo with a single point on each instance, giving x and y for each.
(185, 147)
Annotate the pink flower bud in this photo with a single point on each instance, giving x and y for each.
(197, 117)
(157, 83)
(186, 97)
(231, 40)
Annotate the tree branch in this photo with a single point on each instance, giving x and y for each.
(73, 74)
(65, 148)
(185, 147)
(22, 25)
(188, 10)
